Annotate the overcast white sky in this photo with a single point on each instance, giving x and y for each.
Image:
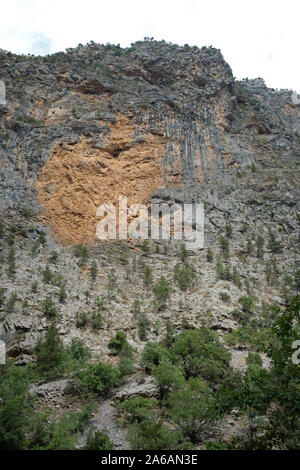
(258, 38)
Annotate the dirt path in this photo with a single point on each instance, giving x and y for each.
(105, 419)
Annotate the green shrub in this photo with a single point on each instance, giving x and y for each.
(274, 245)
(162, 292)
(201, 354)
(193, 409)
(136, 409)
(49, 354)
(96, 320)
(249, 247)
(183, 253)
(209, 255)
(30, 120)
(15, 408)
(111, 283)
(126, 366)
(223, 272)
(2, 229)
(34, 286)
(99, 378)
(53, 257)
(82, 319)
(117, 343)
(94, 271)
(296, 280)
(11, 262)
(42, 238)
(254, 359)
(248, 303)
(124, 258)
(49, 308)
(98, 441)
(236, 277)
(26, 212)
(224, 243)
(151, 435)
(259, 246)
(147, 272)
(169, 336)
(242, 317)
(11, 302)
(62, 295)
(145, 247)
(100, 303)
(47, 275)
(257, 339)
(136, 307)
(228, 230)
(184, 275)
(153, 354)
(81, 252)
(169, 377)
(143, 325)
(77, 351)
(2, 296)
(224, 297)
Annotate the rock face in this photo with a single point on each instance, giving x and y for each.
(156, 120)
(156, 123)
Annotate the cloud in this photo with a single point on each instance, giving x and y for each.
(256, 38)
(40, 44)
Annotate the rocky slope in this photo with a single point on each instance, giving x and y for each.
(155, 122)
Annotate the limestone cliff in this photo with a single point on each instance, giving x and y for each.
(157, 123)
(154, 120)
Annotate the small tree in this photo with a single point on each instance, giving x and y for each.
(34, 286)
(98, 441)
(136, 307)
(49, 354)
(1, 229)
(274, 245)
(168, 376)
(42, 238)
(62, 295)
(82, 320)
(117, 343)
(2, 296)
(162, 292)
(259, 246)
(145, 247)
(147, 271)
(47, 275)
(183, 253)
(96, 320)
(99, 378)
(94, 271)
(143, 325)
(49, 308)
(228, 230)
(185, 275)
(81, 252)
(209, 255)
(11, 262)
(193, 408)
(11, 303)
(248, 303)
(169, 336)
(53, 257)
(224, 243)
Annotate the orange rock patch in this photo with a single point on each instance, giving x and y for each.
(76, 179)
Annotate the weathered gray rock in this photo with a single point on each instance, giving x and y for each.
(147, 388)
